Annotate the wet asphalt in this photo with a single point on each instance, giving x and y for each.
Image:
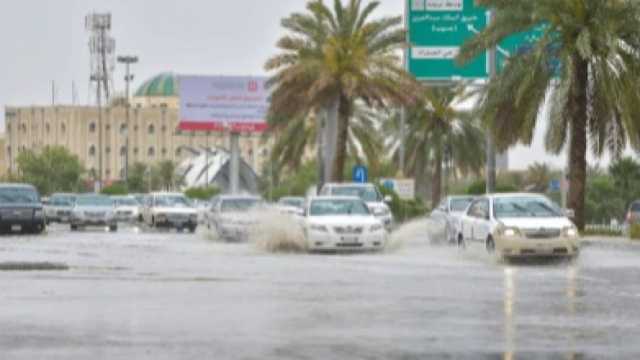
(140, 294)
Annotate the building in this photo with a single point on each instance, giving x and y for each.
(153, 134)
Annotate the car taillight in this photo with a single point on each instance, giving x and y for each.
(630, 217)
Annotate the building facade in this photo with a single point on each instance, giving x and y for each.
(90, 132)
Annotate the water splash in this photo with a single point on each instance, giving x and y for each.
(417, 232)
(276, 232)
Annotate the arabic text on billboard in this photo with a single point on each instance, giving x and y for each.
(219, 103)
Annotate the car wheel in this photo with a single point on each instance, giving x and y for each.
(113, 228)
(192, 229)
(490, 245)
(74, 227)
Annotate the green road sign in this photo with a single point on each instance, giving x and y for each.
(437, 29)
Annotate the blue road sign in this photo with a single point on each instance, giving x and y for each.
(389, 185)
(360, 174)
(555, 185)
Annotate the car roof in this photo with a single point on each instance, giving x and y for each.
(63, 194)
(335, 198)
(291, 198)
(166, 194)
(349, 184)
(16, 185)
(511, 195)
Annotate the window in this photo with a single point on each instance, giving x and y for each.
(108, 150)
(479, 209)
(47, 128)
(9, 150)
(8, 127)
(122, 173)
(108, 127)
(164, 151)
(92, 150)
(136, 151)
(92, 127)
(108, 172)
(63, 128)
(178, 132)
(151, 152)
(123, 151)
(24, 127)
(164, 128)
(178, 152)
(123, 128)
(152, 129)
(135, 128)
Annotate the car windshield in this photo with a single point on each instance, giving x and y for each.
(292, 202)
(126, 202)
(172, 201)
(635, 207)
(239, 205)
(18, 196)
(99, 201)
(524, 207)
(62, 200)
(460, 205)
(338, 207)
(366, 193)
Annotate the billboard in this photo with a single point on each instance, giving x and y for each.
(219, 103)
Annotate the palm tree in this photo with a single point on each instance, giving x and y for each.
(585, 65)
(333, 58)
(164, 175)
(439, 134)
(538, 177)
(296, 137)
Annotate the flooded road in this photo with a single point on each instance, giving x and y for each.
(142, 295)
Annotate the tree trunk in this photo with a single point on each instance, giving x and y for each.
(420, 186)
(330, 139)
(344, 115)
(578, 143)
(436, 183)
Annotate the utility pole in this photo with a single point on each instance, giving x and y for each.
(235, 162)
(491, 148)
(127, 60)
(98, 79)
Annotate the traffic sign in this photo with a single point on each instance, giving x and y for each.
(360, 174)
(555, 186)
(437, 30)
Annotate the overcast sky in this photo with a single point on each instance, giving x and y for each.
(44, 41)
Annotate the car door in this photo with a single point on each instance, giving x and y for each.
(482, 221)
(468, 221)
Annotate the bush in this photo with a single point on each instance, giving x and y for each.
(480, 188)
(202, 193)
(404, 210)
(115, 189)
(634, 232)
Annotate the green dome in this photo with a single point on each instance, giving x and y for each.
(165, 84)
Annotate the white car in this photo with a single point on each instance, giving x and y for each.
(58, 207)
(291, 205)
(93, 211)
(519, 225)
(228, 216)
(342, 223)
(366, 192)
(127, 208)
(170, 210)
(449, 214)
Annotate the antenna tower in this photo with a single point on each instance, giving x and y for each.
(102, 48)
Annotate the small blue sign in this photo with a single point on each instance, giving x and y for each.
(360, 174)
(555, 186)
(389, 185)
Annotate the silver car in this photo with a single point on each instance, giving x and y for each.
(94, 211)
(229, 216)
(58, 208)
(447, 215)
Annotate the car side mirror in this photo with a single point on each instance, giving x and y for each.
(388, 199)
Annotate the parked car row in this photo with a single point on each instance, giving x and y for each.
(509, 225)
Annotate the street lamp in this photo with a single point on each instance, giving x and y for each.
(127, 60)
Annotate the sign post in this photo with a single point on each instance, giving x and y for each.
(360, 174)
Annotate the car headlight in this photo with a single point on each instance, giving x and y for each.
(376, 227)
(571, 231)
(320, 228)
(510, 232)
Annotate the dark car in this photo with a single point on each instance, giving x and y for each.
(21, 209)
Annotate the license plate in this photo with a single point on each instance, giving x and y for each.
(350, 239)
(16, 228)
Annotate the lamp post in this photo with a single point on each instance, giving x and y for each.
(127, 60)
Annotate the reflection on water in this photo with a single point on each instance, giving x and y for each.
(510, 309)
